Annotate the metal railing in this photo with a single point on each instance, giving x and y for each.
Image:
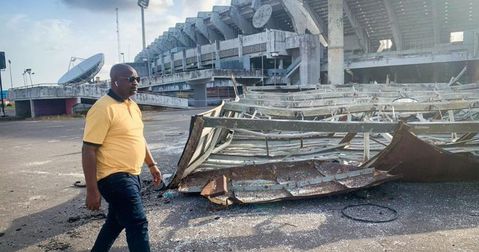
(199, 74)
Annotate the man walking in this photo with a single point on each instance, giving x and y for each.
(114, 149)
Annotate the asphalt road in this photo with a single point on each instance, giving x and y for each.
(41, 210)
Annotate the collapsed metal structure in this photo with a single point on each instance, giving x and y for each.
(274, 143)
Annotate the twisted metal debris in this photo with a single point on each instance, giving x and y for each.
(280, 143)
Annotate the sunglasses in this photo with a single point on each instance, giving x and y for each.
(132, 79)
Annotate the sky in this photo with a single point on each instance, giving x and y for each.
(43, 35)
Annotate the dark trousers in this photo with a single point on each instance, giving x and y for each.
(125, 211)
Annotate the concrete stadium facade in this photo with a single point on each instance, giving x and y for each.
(301, 42)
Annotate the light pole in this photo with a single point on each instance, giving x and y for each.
(24, 80)
(143, 5)
(1, 93)
(10, 67)
(123, 56)
(2, 67)
(25, 72)
(31, 81)
(29, 72)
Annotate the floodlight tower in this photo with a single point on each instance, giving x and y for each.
(29, 72)
(143, 5)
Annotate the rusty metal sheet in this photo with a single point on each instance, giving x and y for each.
(216, 187)
(196, 127)
(278, 181)
(418, 161)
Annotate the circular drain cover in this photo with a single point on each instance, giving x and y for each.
(370, 213)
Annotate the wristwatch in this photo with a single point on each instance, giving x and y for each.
(153, 164)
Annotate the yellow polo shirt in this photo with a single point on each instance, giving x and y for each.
(117, 128)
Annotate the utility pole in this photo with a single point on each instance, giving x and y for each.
(1, 95)
(10, 67)
(118, 35)
(2, 67)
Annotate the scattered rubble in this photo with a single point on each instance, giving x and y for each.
(96, 216)
(54, 245)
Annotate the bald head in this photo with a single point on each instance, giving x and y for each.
(120, 70)
(124, 80)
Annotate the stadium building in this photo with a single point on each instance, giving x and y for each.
(304, 42)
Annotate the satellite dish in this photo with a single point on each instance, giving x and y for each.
(262, 16)
(84, 71)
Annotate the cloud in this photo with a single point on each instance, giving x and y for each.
(84, 28)
(160, 5)
(53, 34)
(47, 34)
(164, 14)
(16, 22)
(108, 5)
(192, 7)
(102, 5)
(44, 45)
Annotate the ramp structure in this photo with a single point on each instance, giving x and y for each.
(43, 100)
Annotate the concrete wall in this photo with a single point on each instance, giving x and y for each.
(140, 68)
(69, 105)
(22, 109)
(475, 70)
(157, 100)
(269, 41)
(183, 77)
(310, 53)
(336, 42)
(49, 107)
